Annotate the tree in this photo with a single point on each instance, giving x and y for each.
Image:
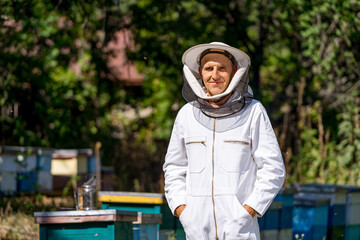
(323, 41)
(54, 88)
(304, 62)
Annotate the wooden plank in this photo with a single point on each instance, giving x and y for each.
(126, 218)
(148, 218)
(83, 219)
(84, 213)
(84, 216)
(73, 219)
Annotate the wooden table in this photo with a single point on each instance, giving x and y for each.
(93, 224)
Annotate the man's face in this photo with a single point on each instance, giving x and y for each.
(216, 70)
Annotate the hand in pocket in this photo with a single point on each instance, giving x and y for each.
(179, 210)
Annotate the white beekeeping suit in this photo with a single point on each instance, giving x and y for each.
(220, 159)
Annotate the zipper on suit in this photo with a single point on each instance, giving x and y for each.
(202, 142)
(237, 141)
(212, 184)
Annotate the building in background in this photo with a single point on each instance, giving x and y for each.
(120, 68)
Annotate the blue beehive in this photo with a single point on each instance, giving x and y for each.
(352, 230)
(43, 161)
(270, 223)
(18, 169)
(146, 204)
(26, 181)
(337, 209)
(92, 224)
(30, 168)
(146, 226)
(286, 197)
(310, 216)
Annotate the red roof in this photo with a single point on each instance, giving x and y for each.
(120, 67)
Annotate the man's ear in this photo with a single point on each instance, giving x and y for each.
(200, 71)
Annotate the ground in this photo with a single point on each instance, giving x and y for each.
(17, 214)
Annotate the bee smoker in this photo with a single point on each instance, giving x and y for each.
(85, 196)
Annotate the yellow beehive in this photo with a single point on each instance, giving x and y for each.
(69, 165)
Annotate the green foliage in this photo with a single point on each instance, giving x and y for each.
(164, 31)
(70, 185)
(55, 91)
(331, 161)
(52, 63)
(21, 159)
(348, 149)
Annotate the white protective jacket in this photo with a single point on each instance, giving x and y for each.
(216, 173)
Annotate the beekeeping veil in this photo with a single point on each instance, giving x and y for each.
(194, 90)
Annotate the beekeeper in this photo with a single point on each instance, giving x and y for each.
(223, 166)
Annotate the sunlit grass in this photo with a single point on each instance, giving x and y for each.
(17, 214)
(17, 225)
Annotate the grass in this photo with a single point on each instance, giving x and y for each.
(17, 225)
(17, 214)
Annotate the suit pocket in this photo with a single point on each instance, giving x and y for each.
(236, 154)
(196, 153)
(241, 223)
(183, 214)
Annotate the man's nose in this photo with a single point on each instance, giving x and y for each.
(215, 73)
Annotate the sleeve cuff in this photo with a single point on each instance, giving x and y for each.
(177, 201)
(258, 206)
